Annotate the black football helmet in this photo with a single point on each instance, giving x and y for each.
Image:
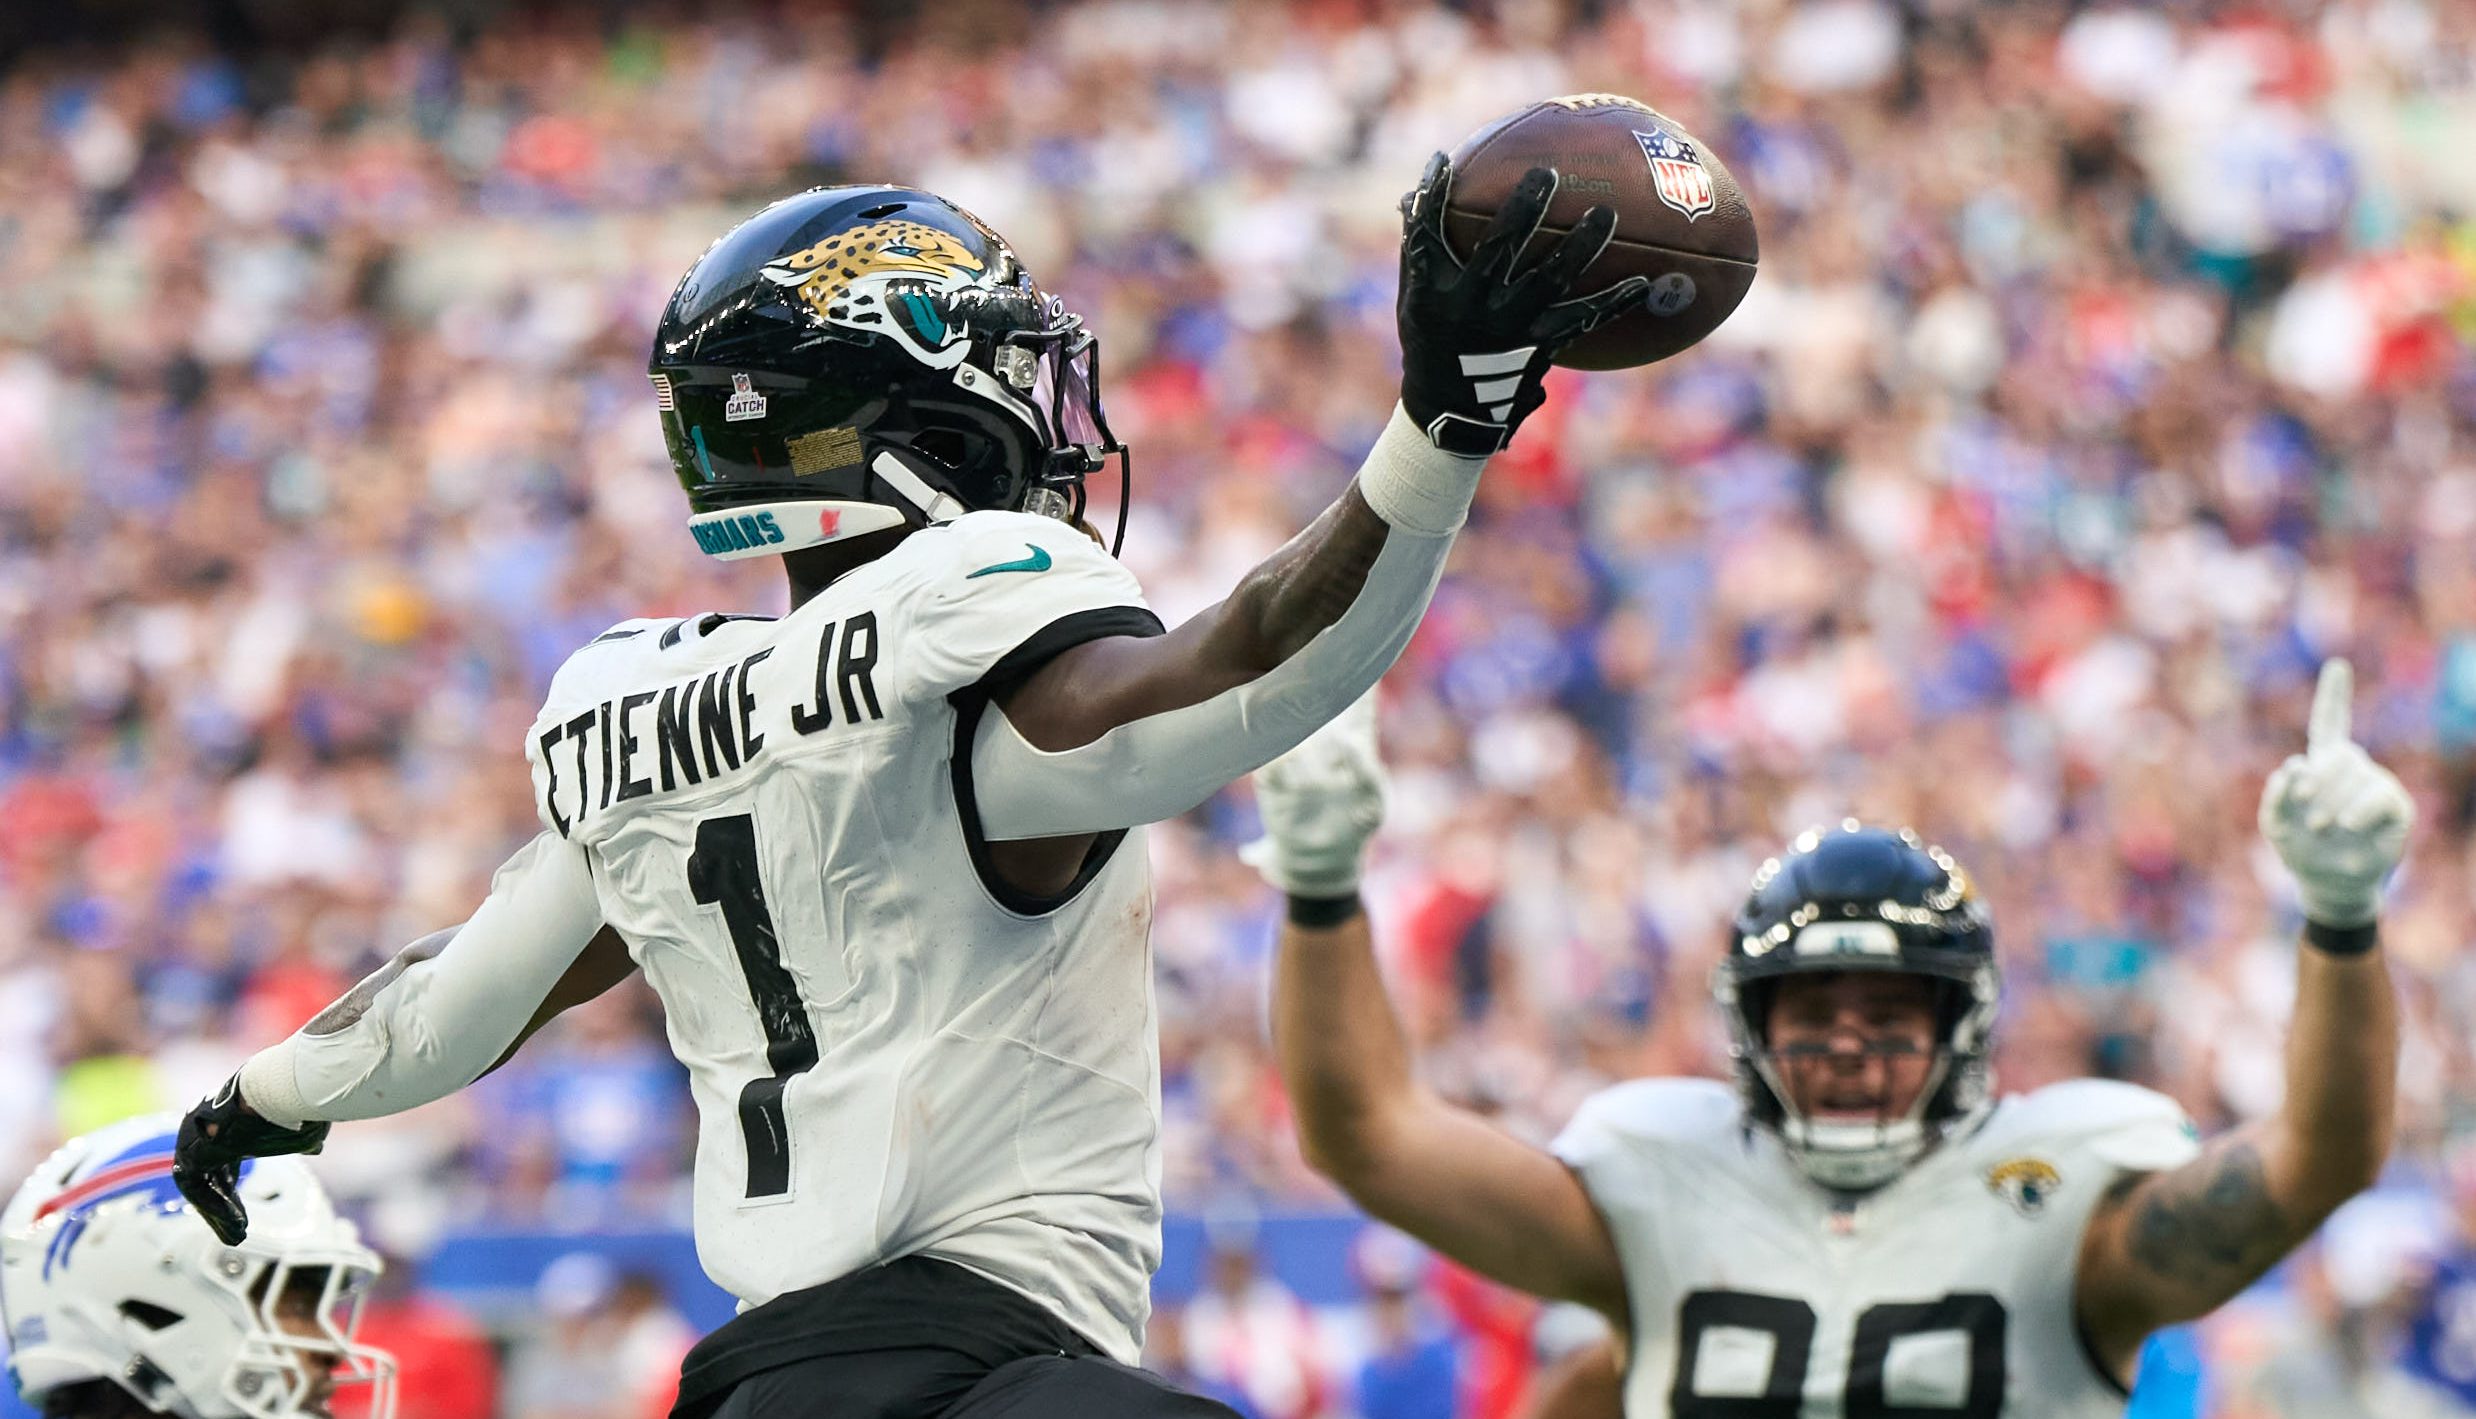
(859, 358)
(1856, 898)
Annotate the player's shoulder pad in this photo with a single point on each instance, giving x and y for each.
(2129, 1127)
(991, 592)
(594, 671)
(1668, 1112)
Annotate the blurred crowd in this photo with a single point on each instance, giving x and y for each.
(2104, 374)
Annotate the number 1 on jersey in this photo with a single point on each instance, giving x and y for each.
(723, 872)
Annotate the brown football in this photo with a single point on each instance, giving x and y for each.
(1680, 219)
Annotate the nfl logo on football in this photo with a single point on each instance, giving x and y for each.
(1677, 173)
(744, 403)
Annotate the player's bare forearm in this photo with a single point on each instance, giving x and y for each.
(1344, 1056)
(2171, 1246)
(1275, 610)
(1299, 590)
(1583, 1385)
(2342, 1075)
(1468, 1189)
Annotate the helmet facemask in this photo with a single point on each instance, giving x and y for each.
(1049, 379)
(305, 1307)
(1855, 1155)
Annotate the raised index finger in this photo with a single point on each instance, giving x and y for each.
(2331, 723)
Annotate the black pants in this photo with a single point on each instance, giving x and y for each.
(915, 1339)
(929, 1384)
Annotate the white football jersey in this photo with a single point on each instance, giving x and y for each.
(1947, 1292)
(891, 1053)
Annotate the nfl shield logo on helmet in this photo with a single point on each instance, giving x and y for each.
(744, 403)
(1677, 173)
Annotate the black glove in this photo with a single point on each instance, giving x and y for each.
(216, 1137)
(1476, 339)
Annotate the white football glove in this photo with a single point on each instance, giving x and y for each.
(2338, 820)
(1320, 803)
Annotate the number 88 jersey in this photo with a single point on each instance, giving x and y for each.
(1949, 1291)
(891, 1052)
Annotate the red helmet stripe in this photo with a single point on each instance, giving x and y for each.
(110, 1180)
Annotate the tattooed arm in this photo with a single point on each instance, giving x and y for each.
(2169, 1247)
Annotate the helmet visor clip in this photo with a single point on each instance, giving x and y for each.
(1018, 366)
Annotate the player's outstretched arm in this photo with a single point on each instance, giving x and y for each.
(1467, 1188)
(446, 1010)
(2171, 1246)
(1124, 730)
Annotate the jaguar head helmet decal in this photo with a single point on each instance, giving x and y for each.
(899, 278)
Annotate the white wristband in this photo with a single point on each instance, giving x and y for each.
(1414, 485)
(270, 1088)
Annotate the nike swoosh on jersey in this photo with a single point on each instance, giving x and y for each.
(1038, 561)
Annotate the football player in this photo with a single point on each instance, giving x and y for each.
(1859, 1227)
(875, 856)
(120, 1305)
